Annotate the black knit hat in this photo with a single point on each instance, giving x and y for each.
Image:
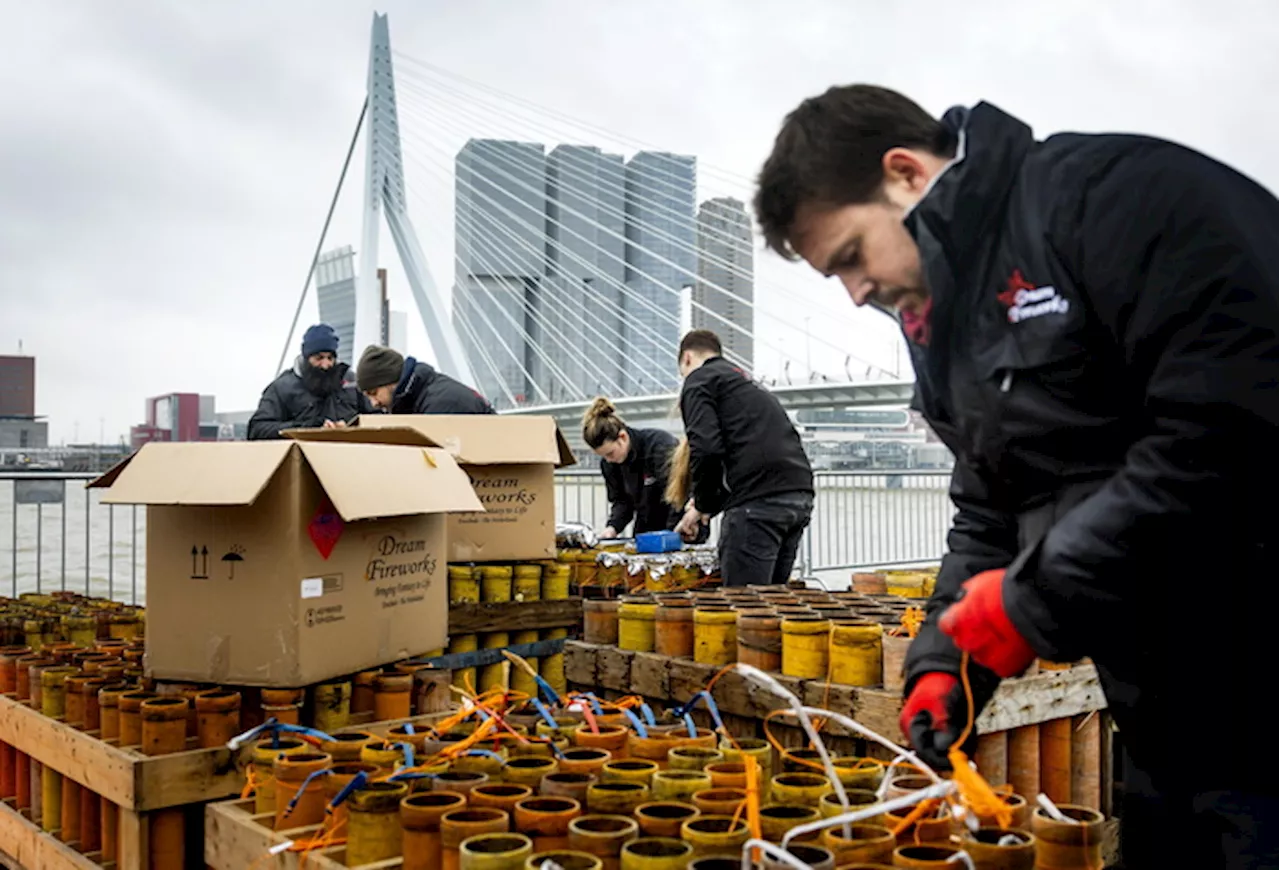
(378, 367)
(320, 338)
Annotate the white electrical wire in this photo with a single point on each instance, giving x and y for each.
(802, 714)
(778, 853)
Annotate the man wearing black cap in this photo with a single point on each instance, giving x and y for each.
(405, 386)
(310, 395)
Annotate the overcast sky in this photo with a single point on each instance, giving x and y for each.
(165, 166)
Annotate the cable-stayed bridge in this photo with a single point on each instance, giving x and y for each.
(579, 256)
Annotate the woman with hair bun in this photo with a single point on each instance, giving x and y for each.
(635, 464)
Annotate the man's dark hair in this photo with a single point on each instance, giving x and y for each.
(700, 340)
(829, 152)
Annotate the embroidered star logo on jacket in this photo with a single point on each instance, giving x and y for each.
(1023, 300)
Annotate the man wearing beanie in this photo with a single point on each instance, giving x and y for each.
(405, 386)
(310, 395)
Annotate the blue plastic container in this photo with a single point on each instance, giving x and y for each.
(658, 542)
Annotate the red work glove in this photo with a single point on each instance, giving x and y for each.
(980, 626)
(933, 717)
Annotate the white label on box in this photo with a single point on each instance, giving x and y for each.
(313, 587)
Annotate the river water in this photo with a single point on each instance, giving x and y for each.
(859, 519)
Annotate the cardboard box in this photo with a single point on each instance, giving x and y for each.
(282, 563)
(511, 462)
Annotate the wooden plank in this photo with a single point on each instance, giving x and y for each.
(484, 617)
(1018, 702)
(613, 668)
(134, 841)
(236, 838)
(876, 709)
(30, 848)
(122, 776)
(686, 678)
(741, 727)
(87, 760)
(1043, 697)
(580, 663)
(231, 836)
(649, 675)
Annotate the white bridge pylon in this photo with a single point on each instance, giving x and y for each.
(384, 194)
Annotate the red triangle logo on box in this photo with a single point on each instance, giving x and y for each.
(325, 528)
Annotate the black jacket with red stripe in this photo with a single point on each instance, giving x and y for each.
(1102, 362)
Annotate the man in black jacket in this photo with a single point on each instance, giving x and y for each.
(1092, 321)
(311, 394)
(745, 461)
(405, 386)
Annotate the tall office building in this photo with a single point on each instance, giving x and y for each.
(569, 268)
(336, 293)
(660, 198)
(19, 425)
(725, 290)
(500, 230)
(579, 323)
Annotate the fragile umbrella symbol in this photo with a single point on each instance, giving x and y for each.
(232, 556)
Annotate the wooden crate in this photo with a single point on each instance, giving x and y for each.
(235, 838)
(139, 786)
(1045, 732)
(136, 785)
(1028, 700)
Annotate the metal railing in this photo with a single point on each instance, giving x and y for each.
(61, 537)
(860, 518)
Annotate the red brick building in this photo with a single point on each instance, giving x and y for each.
(177, 417)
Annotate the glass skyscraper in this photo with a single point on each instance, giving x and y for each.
(725, 289)
(660, 198)
(569, 269)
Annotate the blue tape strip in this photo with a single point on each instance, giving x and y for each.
(636, 723)
(648, 714)
(552, 697)
(715, 711)
(480, 753)
(297, 796)
(544, 713)
(357, 781)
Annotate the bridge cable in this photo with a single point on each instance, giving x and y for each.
(659, 365)
(690, 247)
(324, 231)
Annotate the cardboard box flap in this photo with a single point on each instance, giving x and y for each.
(109, 476)
(378, 480)
(403, 435)
(484, 439)
(194, 473)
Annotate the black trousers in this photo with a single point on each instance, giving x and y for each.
(1231, 830)
(759, 538)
